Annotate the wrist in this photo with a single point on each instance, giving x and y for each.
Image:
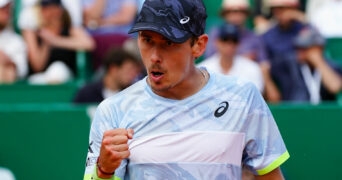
(101, 172)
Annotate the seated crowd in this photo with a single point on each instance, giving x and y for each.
(282, 53)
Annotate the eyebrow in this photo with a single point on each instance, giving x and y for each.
(146, 35)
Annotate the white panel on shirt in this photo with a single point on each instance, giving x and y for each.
(189, 147)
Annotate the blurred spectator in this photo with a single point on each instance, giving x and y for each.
(326, 16)
(226, 61)
(108, 16)
(108, 22)
(308, 76)
(289, 21)
(13, 62)
(52, 42)
(236, 12)
(262, 17)
(250, 45)
(121, 70)
(72, 6)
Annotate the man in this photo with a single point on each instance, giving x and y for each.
(226, 61)
(121, 70)
(308, 76)
(289, 21)
(13, 63)
(251, 45)
(278, 39)
(181, 122)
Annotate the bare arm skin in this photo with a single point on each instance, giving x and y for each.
(114, 149)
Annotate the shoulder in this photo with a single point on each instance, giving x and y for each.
(13, 36)
(243, 62)
(93, 86)
(131, 94)
(91, 92)
(230, 83)
(28, 18)
(210, 60)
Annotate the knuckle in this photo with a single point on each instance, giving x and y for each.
(106, 141)
(106, 133)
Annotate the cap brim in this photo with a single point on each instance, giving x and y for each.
(174, 34)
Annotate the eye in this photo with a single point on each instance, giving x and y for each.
(169, 43)
(147, 39)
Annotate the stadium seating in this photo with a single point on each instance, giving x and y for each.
(25, 93)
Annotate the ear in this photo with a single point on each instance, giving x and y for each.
(200, 45)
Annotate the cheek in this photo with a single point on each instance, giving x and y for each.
(236, 18)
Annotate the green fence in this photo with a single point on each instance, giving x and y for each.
(311, 136)
(24, 93)
(44, 142)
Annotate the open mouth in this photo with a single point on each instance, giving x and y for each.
(156, 74)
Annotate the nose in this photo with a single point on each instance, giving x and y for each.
(155, 54)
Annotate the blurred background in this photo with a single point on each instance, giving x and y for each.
(59, 59)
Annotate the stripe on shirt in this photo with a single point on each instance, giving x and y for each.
(200, 147)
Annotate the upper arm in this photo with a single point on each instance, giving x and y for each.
(30, 39)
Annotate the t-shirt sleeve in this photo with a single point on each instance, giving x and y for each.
(28, 18)
(265, 149)
(102, 121)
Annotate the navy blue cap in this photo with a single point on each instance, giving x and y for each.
(308, 37)
(50, 2)
(228, 32)
(177, 20)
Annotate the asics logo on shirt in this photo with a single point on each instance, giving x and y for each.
(89, 147)
(221, 109)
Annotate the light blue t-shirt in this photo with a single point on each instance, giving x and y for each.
(208, 135)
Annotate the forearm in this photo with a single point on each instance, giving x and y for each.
(38, 57)
(37, 54)
(124, 16)
(271, 91)
(78, 40)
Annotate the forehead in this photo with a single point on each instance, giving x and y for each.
(153, 35)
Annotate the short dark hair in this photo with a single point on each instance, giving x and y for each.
(117, 56)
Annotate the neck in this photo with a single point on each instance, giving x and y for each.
(226, 63)
(110, 83)
(186, 88)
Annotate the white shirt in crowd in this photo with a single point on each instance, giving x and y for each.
(242, 67)
(14, 46)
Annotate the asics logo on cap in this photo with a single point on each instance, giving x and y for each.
(185, 20)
